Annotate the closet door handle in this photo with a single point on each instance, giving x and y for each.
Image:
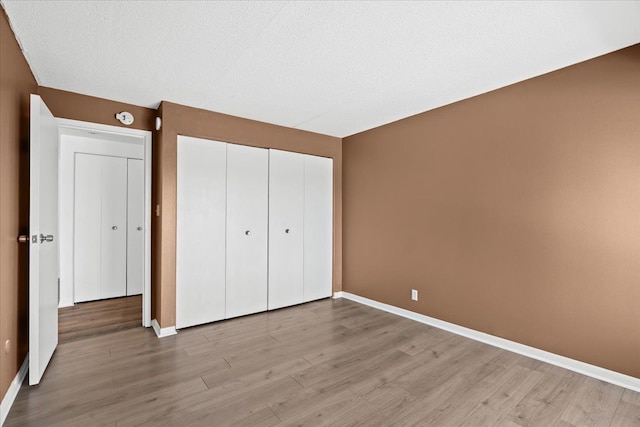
(47, 238)
(139, 228)
(286, 231)
(248, 232)
(115, 227)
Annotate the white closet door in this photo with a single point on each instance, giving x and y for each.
(113, 269)
(247, 207)
(100, 234)
(135, 226)
(318, 227)
(201, 224)
(286, 207)
(87, 229)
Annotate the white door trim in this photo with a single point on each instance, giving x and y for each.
(68, 126)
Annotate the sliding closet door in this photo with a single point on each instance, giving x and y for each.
(286, 207)
(113, 269)
(135, 226)
(318, 227)
(247, 201)
(201, 224)
(87, 232)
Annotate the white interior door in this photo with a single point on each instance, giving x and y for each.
(247, 208)
(135, 226)
(286, 208)
(201, 231)
(318, 227)
(43, 227)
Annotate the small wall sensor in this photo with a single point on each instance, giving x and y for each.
(125, 117)
(158, 123)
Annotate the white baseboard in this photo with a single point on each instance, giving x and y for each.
(338, 294)
(613, 377)
(163, 332)
(12, 392)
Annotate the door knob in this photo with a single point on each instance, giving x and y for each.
(47, 238)
(286, 231)
(139, 228)
(115, 227)
(23, 238)
(248, 232)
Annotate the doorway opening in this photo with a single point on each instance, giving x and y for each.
(104, 228)
(95, 318)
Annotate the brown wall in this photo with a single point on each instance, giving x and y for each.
(16, 84)
(515, 213)
(70, 105)
(156, 226)
(182, 120)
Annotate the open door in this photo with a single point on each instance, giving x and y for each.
(43, 249)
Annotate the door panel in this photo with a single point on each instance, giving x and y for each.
(201, 231)
(247, 201)
(135, 226)
(87, 227)
(43, 253)
(286, 207)
(113, 269)
(318, 227)
(100, 231)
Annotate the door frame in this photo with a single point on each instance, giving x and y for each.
(71, 127)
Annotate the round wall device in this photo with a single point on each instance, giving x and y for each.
(125, 117)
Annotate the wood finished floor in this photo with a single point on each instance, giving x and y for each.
(96, 318)
(330, 362)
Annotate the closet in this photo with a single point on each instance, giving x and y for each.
(108, 230)
(135, 229)
(201, 231)
(286, 211)
(300, 226)
(254, 230)
(247, 201)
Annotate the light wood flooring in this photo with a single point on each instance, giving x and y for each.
(94, 318)
(330, 362)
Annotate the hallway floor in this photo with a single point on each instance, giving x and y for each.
(94, 318)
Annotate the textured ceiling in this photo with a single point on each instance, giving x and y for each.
(336, 68)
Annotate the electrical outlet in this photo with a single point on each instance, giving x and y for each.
(414, 294)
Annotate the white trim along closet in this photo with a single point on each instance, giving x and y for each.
(254, 230)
